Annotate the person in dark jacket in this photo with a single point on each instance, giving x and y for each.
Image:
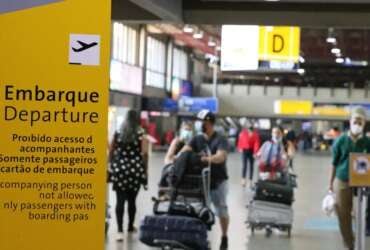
(128, 168)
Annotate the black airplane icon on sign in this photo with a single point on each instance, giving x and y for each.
(84, 46)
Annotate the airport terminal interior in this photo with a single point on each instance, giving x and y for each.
(299, 65)
(295, 64)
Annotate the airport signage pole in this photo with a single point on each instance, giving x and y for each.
(360, 180)
(360, 219)
(54, 82)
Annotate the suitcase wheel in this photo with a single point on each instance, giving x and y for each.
(268, 232)
(289, 232)
(253, 229)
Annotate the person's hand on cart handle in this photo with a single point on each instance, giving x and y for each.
(206, 159)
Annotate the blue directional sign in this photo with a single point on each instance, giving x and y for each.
(196, 104)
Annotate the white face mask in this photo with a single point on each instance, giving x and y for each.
(356, 129)
(276, 138)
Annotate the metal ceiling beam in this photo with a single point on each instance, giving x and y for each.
(125, 10)
(167, 10)
(303, 19)
(262, 13)
(296, 1)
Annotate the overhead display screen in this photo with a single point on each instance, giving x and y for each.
(251, 48)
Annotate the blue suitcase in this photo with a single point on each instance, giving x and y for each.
(174, 231)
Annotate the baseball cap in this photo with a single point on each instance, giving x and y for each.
(358, 112)
(206, 115)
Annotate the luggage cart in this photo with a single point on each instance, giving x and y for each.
(265, 215)
(269, 216)
(192, 189)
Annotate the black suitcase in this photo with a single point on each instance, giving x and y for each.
(195, 210)
(274, 192)
(156, 230)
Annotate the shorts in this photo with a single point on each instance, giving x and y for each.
(219, 199)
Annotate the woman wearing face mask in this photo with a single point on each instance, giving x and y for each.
(352, 142)
(185, 135)
(272, 156)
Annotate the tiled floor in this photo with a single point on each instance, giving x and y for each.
(312, 230)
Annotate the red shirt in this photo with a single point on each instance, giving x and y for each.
(249, 140)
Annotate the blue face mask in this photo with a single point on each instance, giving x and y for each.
(186, 135)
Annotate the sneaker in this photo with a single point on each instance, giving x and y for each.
(224, 243)
(119, 237)
(244, 182)
(132, 229)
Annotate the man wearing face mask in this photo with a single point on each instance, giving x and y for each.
(184, 137)
(219, 185)
(352, 142)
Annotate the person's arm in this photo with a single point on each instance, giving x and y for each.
(257, 143)
(335, 162)
(170, 156)
(112, 146)
(221, 153)
(217, 158)
(332, 178)
(259, 152)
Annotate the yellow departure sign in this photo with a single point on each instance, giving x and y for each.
(54, 76)
(279, 43)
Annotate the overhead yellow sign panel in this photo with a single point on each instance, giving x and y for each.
(279, 43)
(331, 111)
(293, 107)
(53, 120)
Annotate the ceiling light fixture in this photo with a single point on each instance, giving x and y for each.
(188, 28)
(339, 60)
(199, 34)
(332, 40)
(335, 50)
(272, 0)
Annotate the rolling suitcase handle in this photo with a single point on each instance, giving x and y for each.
(206, 176)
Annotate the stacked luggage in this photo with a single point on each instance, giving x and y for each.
(181, 215)
(271, 206)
